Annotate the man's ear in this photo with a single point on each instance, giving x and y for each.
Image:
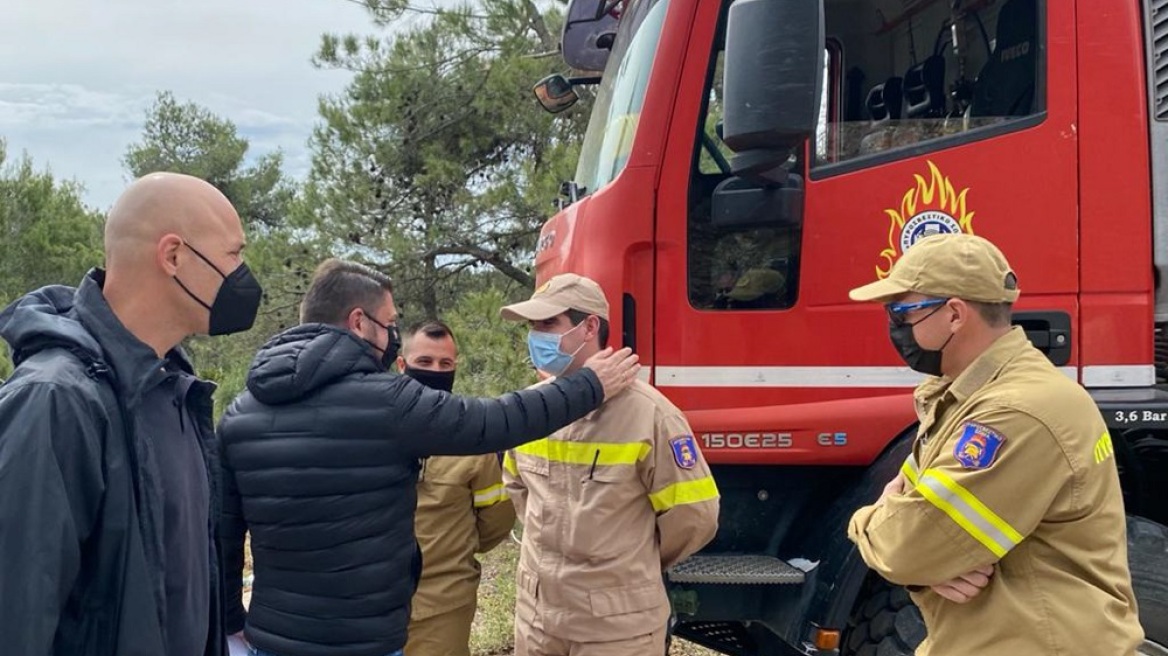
(593, 327)
(962, 313)
(401, 365)
(356, 320)
(167, 253)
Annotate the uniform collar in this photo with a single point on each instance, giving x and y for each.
(596, 414)
(981, 371)
(987, 365)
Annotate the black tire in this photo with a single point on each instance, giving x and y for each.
(885, 622)
(1147, 545)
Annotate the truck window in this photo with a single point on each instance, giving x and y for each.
(900, 79)
(732, 269)
(933, 70)
(621, 94)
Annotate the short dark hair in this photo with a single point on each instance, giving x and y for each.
(432, 328)
(997, 315)
(339, 286)
(576, 317)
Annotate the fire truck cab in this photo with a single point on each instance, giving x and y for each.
(747, 162)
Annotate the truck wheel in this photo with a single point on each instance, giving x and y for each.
(1147, 544)
(884, 623)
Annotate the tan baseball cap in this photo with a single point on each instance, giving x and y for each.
(564, 292)
(954, 265)
(757, 282)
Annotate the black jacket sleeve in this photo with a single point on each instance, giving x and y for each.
(232, 533)
(436, 423)
(51, 484)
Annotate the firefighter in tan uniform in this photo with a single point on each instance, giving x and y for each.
(607, 503)
(1006, 522)
(462, 510)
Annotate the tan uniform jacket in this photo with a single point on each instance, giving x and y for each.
(1013, 465)
(607, 504)
(462, 510)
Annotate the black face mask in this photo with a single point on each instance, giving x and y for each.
(236, 303)
(917, 358)
(439, 380)
(389, 353)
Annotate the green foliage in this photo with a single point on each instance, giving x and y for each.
(47, 236)
(187, 138)
(492, 355)
(437, 162)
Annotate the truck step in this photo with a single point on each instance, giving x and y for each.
(735, 569)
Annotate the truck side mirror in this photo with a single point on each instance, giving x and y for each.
(555, 93)
(588, 34)
(772, 81)
(739, 204)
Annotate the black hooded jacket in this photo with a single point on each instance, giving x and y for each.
(320, 462)
(81, 557)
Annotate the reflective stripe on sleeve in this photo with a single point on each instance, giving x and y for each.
(968, 511)
(509, 464)
(685, 492)
(488, 496)
(910, 469)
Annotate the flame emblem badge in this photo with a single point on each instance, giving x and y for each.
(933, 206)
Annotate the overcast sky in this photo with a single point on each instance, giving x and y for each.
(77, 75)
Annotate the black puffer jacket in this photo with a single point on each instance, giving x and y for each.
(320, 462)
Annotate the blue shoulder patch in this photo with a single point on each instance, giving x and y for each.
(978, 446)
(685, 451)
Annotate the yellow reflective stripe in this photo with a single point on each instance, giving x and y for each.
(968, 512)
(910, 469)
(509, 464)
(488, 496)
(586, 453)
(686, 492)
(1104, 448)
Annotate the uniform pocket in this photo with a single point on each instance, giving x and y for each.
(612, 474)
(606, 514)
(626, 599)
(526, 594)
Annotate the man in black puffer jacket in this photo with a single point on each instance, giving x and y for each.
(321, 456)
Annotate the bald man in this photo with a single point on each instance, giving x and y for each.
(106, 444)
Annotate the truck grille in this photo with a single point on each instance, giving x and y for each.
(1158, 32)
(725, 637)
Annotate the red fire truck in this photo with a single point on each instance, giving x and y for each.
(747, 162)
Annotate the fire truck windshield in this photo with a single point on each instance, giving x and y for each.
(620, 95)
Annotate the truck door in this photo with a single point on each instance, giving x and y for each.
(932, 119)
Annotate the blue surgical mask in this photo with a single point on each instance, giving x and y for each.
(545, 352)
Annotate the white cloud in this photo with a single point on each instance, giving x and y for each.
(76, 76)
(66, 106)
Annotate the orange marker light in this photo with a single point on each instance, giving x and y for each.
(827, 639)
